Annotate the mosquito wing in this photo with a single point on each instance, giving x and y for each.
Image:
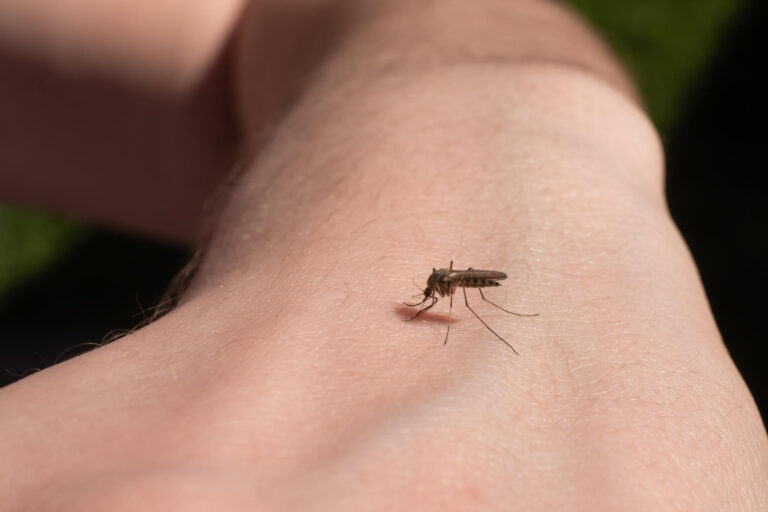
(482, 275)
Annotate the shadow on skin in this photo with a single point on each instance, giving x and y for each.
(407, 313)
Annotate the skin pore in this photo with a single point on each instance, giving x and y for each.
(501, 136)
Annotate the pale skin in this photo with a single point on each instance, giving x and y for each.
(502, 137)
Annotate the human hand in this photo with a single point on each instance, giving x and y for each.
(286, 378)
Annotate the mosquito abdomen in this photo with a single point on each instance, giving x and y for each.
(477, 283)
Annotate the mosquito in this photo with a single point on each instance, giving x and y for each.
(444, 281)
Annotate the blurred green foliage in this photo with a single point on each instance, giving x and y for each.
(29, 242)
(664, 43)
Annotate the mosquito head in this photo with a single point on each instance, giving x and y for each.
(428, 293)
(434, 279)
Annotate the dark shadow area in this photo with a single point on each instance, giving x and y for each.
(718, 191)
(106, 284)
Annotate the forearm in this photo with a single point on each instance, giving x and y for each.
(164, 45)
(116, 113)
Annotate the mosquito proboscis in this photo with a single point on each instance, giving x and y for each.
(445, 281)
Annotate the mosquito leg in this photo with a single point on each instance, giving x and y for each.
(485, 324)
(418, 303)
(450, 312)
(501, 308)
(422, 311)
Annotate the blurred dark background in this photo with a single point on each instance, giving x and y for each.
(65, 287)
(717, 186)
